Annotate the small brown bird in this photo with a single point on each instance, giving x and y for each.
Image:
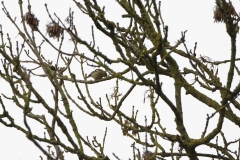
(97, 74)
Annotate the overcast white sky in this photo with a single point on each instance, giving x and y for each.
(194, 16)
